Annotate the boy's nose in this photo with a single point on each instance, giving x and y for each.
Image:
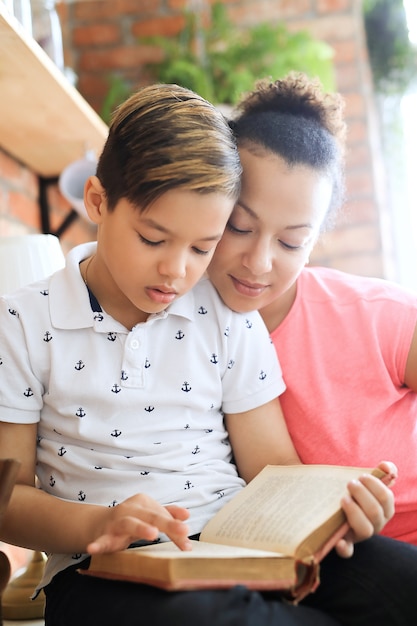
(173, 266)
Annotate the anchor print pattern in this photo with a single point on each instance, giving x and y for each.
(188, 436)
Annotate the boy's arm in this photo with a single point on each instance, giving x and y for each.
(40, 521)
(260, 437)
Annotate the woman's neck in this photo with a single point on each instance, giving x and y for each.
(275, 313)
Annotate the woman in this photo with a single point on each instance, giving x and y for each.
(347, 344)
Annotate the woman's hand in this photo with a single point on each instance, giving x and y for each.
(141, 517)
(368, 507)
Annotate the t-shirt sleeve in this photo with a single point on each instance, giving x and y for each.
(393, 322)
(253, 375)
(20, 390)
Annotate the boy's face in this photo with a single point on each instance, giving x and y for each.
(146, 260)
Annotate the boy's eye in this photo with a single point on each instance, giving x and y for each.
(153, 244)
(148, 242)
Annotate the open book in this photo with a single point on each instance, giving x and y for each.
(271, 536)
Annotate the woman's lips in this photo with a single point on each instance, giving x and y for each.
(248, 289)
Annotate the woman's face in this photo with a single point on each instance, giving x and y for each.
(270, 233)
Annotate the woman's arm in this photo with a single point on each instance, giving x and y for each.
(40, 521)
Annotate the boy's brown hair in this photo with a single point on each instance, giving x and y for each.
(165, 137)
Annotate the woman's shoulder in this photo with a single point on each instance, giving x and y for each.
(328, 283)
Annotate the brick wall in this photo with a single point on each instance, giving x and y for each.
(20, 212)
(19, 191)
(102, 37)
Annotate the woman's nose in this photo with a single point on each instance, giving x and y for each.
(258, 260)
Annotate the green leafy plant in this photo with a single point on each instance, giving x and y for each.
(392, 56)
(118, 91)
(220, 61)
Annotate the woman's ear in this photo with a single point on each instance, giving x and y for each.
(94, 199)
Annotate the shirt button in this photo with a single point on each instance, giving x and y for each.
(134, 344)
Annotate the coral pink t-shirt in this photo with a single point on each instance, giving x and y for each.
(343, 348)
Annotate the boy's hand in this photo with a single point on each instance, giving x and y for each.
(141, 517)
(368, 507)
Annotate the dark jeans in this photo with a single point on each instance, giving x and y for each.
(376, 587)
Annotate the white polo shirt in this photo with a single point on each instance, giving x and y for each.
(121, 412)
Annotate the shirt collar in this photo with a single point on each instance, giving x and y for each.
(69, 298)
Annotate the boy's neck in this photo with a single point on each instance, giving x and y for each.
(121, 309)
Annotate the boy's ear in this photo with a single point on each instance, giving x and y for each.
(94, 199)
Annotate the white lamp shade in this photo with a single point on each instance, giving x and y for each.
(72, 181)
(28, 258)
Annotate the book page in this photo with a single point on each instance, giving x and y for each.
(202, 549)
(281, 506)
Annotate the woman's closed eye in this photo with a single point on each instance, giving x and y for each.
(238, 231)
(289, 246)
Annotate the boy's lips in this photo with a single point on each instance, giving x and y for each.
(247, 288)
(161, 294)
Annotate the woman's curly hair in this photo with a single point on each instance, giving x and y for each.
(295, 119)
(301, 96)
